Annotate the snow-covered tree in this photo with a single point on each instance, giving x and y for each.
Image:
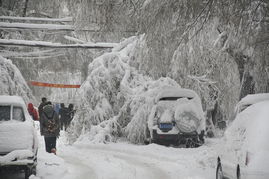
(12, 81)
(115, 100)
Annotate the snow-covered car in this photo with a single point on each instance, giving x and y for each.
(177, 118)
(248, 101)
(18, 138)
(245, 149)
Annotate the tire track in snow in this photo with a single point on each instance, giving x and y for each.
(153, 171)
(77, 169)
(139, 163)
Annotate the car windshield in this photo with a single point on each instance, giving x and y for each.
(4, 113)
(18, 114)
(173, 98)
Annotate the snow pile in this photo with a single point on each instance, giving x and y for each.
(115, 100)
(50, 166)
(12, 82)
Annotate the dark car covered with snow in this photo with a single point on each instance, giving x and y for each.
(18, 138)
(177, 118)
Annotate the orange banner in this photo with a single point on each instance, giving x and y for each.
(51, 85)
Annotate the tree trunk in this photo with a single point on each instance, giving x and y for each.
(25, 8)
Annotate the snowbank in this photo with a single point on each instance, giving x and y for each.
(115, 100)
(12, 81)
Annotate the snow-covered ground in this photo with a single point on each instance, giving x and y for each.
(123, 160)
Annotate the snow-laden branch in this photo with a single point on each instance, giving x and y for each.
(21, 26)
(203, 82)
(201, 79)
(14, 42)
(65, 19)
(74, 39)
(6, 53)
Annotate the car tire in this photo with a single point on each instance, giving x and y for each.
(238, 174)
(27, 173)
(30, 171)
(33, 170)
(219, 172)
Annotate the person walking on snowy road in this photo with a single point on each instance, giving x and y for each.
(50, 127)
(70, 114)
(42, 104)
(33, 112)
(63, 113)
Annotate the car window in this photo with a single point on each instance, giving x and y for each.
(244, 107)
(4, 113)
(172, 98)
(18, 114)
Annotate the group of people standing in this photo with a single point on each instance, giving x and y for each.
(52, 118)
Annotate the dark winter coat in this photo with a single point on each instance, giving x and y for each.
(40, 108)
(63, 112)
(49, 122)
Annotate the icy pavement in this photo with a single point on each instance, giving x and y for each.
(123, 160)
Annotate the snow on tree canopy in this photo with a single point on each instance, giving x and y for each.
(115, 100)
(12, 81)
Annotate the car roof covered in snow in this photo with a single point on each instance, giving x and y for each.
(17, 100)
(176, 92)
(251, 99)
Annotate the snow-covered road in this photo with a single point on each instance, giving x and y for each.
(123, 160)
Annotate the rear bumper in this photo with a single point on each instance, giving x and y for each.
(173, 137)
(18, 165)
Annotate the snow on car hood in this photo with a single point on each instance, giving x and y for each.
(15, 135)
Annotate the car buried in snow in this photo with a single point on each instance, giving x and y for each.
(245, 147)
(177, 118)
(18, 138)
(248, 101)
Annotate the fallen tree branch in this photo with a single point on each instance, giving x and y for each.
(65, 19)
(20, 26)
(13, 42)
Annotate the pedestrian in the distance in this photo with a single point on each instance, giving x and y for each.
(33, 112)
(57, 108)
(71, 113)
(63, 113)
(50, 127)
(42, 104)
